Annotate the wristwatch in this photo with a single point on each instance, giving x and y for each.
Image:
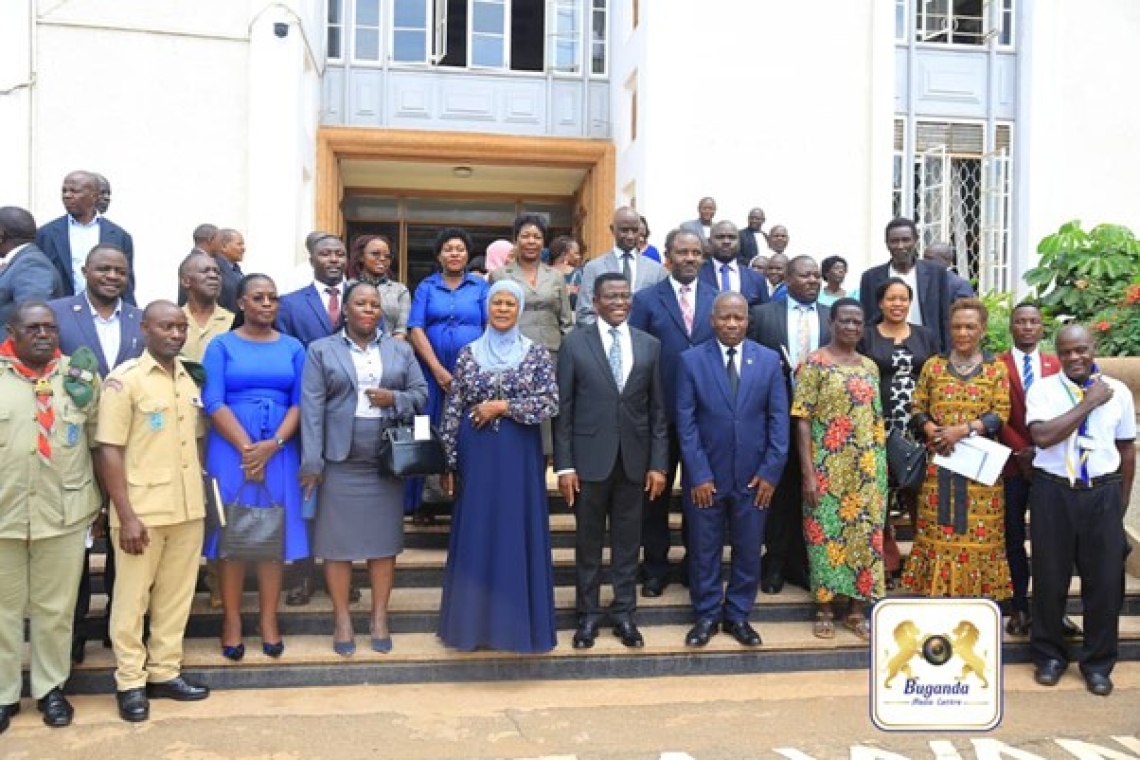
(973, 432)
(280, 443)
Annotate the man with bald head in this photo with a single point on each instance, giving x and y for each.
(753, 239)
(725, 272)
(641, 271)
(778, 239)
(702, 225)
(67, 240)
(1084, 427)
(28, 274)
(230, 253)
(943, 255)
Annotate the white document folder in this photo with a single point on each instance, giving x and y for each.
(976, 458)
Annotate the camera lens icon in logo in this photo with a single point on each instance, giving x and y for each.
(937, 649)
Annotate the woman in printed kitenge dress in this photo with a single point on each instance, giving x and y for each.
(959, 546)
(839, 419)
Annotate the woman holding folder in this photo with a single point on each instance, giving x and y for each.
(959, 546)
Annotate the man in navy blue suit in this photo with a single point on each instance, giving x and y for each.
(724, 270)
(68, 239)
(732, 419)
(676, 312)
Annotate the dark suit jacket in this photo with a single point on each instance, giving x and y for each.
(933, 297)
(77, 328)
(1015, 433)
(329, 391)
(768, 326)
(28, 276)
(53, 239)
(595, 420)
(960, 287)
(657, 312)
(751, 244)
(729, 439)
(303, 315)
(231, 278)
(753, 286)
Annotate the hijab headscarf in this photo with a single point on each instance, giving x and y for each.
(501, 350)
(498, 254)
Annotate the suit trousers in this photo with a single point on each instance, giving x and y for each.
(160, 581)
(84, 627)
(1016, 504)
(618, 500)
(1085, 526)
(655, 537)
(736, 512)
(40, 576)
(785, 550)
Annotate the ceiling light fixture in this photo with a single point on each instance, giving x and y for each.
(463, 172)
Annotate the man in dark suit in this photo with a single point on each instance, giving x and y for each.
(793, 328)
(610, 449)
(228, 256)
(675, 311)
(943, 255)
(733, 421)
(753, 240)
(702, 225)
(27, 274)
(724, 270)
(68, 239)
(309, 314)
(930, 306)
(100, 319)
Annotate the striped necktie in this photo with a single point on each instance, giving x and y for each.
(1026, 372)
(687, 308)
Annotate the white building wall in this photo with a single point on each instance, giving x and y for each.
(16, 102)
(769, 103)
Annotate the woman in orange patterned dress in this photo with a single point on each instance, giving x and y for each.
(959, 545)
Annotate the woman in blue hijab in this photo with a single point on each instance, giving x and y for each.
(498, 588)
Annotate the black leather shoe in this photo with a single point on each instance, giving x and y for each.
(1069, 629)
(6, 713)
(178, 689)
(134, 707)
(700, 633)
(1049, 673)
(56, 709)
(1018, 624)
(772, 583)
(629, 635)
(78, 650)
(585, 635)
(743, 633)
(300, 594)
(654, 587)
(1099, 684)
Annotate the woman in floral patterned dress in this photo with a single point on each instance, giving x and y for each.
(839, 419)
(959, 544)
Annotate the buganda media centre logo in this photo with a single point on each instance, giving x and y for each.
(936, 665)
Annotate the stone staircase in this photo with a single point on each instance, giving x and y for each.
(783, 621)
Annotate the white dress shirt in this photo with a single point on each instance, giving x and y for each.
(109, 331)
(82, 238)
(1113, 421)
(634, 255)
(322, 288)
(1019, 362)
(735, 359)
(733, 274)
(910, 278)
(626, 340)
(795, 314)
(369, 369)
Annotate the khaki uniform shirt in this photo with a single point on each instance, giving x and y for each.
(158, 419)
(198, 337)
(40, 500)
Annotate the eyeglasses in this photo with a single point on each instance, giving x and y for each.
(263, 298)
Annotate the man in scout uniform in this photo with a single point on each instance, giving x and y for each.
(150, 420)
(48, 497)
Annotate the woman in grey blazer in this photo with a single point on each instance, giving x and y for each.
(355, 382)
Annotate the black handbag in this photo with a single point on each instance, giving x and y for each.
(252, 532)
(906, 460)
(402, 456)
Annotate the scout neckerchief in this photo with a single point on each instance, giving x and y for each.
(45, 414)
(1076, 455)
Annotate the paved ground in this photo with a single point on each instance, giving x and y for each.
(821, 715)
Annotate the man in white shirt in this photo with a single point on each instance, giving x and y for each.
(1084, 427)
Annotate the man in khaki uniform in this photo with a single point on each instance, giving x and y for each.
(199, 277)
(150, 419)
(48, 497)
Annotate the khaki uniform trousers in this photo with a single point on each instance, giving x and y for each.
(161, 582)
(40, 576)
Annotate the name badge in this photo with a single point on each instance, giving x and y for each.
(156, 421)
(72, 434)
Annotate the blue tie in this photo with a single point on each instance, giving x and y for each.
(725, 283)
(1026, 371)
(615, 357)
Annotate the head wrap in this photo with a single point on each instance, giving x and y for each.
(498, 253)
(495, 350)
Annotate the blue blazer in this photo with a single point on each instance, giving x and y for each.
(54, 241)
(28, 275)
(303, 315)
(752, 284)
(727, 439)
(77, 328)
(657, 312)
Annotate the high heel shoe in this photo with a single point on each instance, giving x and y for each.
(345, 648)
(273, 650)
(234, 653)
(383, 646)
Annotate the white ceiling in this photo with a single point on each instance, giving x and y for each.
(408, 175)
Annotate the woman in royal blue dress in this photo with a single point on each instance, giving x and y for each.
(449, 310)
(498, 587)
(252, 394)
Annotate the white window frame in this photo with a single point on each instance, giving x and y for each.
(329, 26)
(505, 63)
(904, 28)
(379, 29)
(428, 21)
(993, 17)
(556, 36)
(605, 39)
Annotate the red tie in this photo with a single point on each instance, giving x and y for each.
(334, 305)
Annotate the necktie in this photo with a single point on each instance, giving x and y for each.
(1076, 455)
(803, 334)
(725, 283)
(1026, 372)
(687, 308)
(334, 304)
(733, 375)
(626, 267)
(615, 357)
